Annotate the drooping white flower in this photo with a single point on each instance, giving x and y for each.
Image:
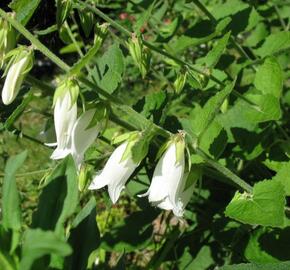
(167, 190)
(115, 173)
(20, 65)
(65, 114)
(83, 136)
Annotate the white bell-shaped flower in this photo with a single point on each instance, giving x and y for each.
(65, 114)
(115, 173)
(167, 189)
(83, 136)
(21, 64)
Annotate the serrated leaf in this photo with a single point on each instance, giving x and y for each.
(269, 77)
(38, 243)
(11, 213)
(111, 66)
(274, 43)
(24, 9)
(213, 56)
(203, 117)
(246, 116)
(264, 207)
(283, 176)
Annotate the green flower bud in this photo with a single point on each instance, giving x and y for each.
(140, 55)
(180, 81)
(83, 178)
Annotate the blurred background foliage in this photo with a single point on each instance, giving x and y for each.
(61, 228)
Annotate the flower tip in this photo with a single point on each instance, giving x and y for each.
(59, 153)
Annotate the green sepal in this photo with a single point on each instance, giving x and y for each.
(83, 178)
(123, 137)
(70, 85)
(132, 139)
(140, 54)
(163, 148)
(180, 147)
(180, 81)
(63, 9)
(16, 55)
(101, 115)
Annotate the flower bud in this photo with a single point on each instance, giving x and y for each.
(140, 55)
(180, 81)
(83, 178)
(7, 39)
(20, 64)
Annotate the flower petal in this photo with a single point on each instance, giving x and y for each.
(81, 137)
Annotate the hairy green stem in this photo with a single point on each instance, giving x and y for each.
(34, 41)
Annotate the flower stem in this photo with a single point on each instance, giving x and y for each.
(34, 41)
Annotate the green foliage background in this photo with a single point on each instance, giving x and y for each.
(234, 107)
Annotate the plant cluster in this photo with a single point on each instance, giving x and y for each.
(185, 103)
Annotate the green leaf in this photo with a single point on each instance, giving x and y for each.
(264, 207)
(202, 260)
(269, 77)
(255, 251)
(213, 56)
(143, 18)
(24, 9)
(254, 266)
(274, 43)
(58, 199)
(11, 213)
(84, 238)
(111, 67)
(167, 30)
(246, 116)
(228, 8)
(6, 263)
(203, 117)
(183, 42)
(18, 111)
(283, 177)
(91, 204)
(131, 234)
(38, 243)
